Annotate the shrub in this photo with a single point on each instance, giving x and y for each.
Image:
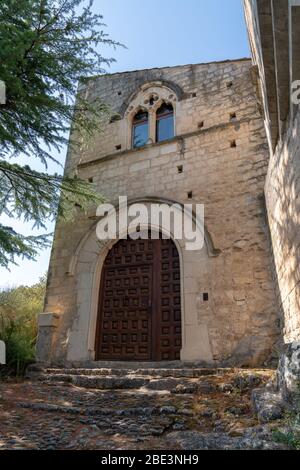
(289, 438)
(18, 326)
(290, 433)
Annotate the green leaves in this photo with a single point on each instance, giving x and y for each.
(18, 326)
(37, 197)
(44, 51)
(13, 244)
(46, 47)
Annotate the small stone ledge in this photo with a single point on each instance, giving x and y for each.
(48, 320)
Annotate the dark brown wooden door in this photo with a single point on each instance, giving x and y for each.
(139, 315)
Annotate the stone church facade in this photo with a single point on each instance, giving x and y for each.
(186, 134)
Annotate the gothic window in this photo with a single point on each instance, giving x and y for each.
(140, 129)
(164, 122)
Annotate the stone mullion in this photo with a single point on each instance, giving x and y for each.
(152, 126)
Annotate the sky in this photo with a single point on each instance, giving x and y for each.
(156, 33)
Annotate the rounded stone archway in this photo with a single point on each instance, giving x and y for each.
(87, 266)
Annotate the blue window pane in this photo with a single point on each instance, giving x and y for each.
(140, 135)
(165, 128)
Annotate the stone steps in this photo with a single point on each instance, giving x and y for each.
(200, 407)
(96, 382)
(171, 384)
(99, 411)
(155, 379)
(133, 365)
(140, 372)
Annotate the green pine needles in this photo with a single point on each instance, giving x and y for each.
(46, 47)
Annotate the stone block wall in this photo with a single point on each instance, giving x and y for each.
(274, 32)
(283, 204)
(220, 144)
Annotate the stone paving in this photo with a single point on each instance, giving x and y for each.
(198, 413)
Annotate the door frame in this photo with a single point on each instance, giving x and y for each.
(85, 268)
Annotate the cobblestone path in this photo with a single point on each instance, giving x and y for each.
(206, 412)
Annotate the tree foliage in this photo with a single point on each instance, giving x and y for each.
(19, 308)
(46, 47)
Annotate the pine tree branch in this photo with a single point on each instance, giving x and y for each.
(44, 51)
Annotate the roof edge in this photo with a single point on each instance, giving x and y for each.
(225, 61)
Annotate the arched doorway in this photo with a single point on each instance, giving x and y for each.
(139, 313)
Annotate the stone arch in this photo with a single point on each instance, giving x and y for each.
(144, 87)
(161, 91)
(160, 102)
(86, 266)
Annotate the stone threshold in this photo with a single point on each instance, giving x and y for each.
(133, 365)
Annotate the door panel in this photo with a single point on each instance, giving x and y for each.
(139, 305)
(170, 311)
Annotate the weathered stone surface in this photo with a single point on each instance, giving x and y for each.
(208, 413)
(274, 31)
(91, 381)
(245, 381)
(106, 383)
(288, 374)
(162, 384)
(249, 346)
(167, 410)
(206, 387)
(60, 415)
(236, 411)
(239, 319)
(226, 388)
(161, 370)
(256, 439)
(185, 389)
(269, 406)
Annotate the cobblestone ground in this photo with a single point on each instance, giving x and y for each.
(215, 412)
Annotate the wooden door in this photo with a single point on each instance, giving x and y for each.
(139, 315)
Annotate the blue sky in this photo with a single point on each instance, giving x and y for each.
(157, 33)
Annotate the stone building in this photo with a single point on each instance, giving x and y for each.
(186, 134)
(274, 32)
